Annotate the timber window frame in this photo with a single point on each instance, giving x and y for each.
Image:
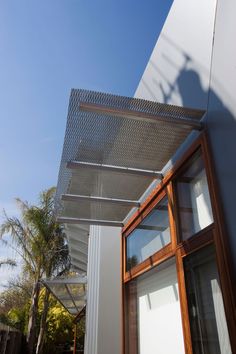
(213, 234)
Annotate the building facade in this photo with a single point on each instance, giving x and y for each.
(160, 261)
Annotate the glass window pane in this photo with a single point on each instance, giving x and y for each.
(206, 310)
(153, 317)
(152, 234)
(194, 203)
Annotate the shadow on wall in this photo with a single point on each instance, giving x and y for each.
(219, 120)
(188, 86)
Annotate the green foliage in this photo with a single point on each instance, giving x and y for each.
(59, 324)
(18, 318)
(14, 311)
(131, 262)
(81, 332)
(41, 243)
(14, 304)
(37, 237)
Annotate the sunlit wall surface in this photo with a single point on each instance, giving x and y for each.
(189, 68)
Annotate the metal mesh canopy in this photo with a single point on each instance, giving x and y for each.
(113, 150)
(70, 292)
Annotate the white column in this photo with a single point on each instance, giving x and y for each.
(93, 291)
(110, 293)
(103, 318)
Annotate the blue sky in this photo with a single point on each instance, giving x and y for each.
(46, 48)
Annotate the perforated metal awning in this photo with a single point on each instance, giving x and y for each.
(114, 148)
(70, 292)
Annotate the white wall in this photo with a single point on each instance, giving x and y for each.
(103, 322)
(221, 119)
(178, 70)
(188, 68)
(110, 292)
(93, 276)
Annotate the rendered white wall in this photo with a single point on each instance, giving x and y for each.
(178, 70)
(221, 119)
(103, 322)
(189, 68)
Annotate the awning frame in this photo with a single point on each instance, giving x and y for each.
(144, 116)
(111, 168)
(78, 198)
(116, 149)
(66, 282)
(68, 220)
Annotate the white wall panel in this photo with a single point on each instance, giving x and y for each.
(93, 275)
(103, 321)
(159, 317)
(221, 119)
(178, 70)
(110, 310)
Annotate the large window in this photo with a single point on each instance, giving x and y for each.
(194, 205)
(151, 235)
(154, 312)
(173, 260)
(206, 309)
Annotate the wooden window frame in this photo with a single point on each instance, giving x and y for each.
(214, 233)
(158, 256)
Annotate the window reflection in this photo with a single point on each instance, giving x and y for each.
(194, 205)
(206, 310)
(151, 235)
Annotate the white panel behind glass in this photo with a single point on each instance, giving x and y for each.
(201, 204)
(157, 243)
(159, 318)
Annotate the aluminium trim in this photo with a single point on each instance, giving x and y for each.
(119, 169)
(71, 297)
(76, 298)
(78, 198)
(69, 220)
(77, 280)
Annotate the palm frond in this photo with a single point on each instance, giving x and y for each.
(8, 262)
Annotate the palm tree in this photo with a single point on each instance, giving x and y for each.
(40, 241)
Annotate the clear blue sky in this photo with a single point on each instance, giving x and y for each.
(46, 48)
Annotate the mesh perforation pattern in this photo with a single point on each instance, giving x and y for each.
(116, 140)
